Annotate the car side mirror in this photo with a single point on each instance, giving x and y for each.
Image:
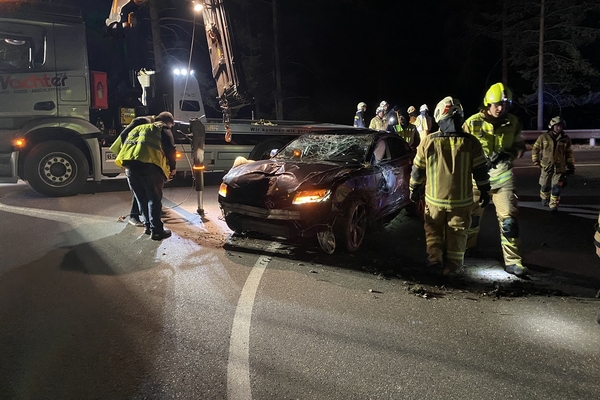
(273, 152)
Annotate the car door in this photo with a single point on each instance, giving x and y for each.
(393, 160)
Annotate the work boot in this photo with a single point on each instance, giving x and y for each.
(451, 268)
(517, 270)
(545, 202)
(147, 231)
(165, 233)
(135, 221)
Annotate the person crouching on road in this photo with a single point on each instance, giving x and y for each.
(499, 133)
(446, 163)
(553, 153)
(148, 156)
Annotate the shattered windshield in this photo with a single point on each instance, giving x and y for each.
(320, 147)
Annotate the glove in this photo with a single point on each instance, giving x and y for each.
(499, 158)
(537, 164)
(562, 181)
(570, 169)
(415, 194)
(484, 199)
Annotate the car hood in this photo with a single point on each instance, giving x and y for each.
(286, 175)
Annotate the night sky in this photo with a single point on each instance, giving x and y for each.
(335, 54)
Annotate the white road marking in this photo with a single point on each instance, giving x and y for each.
(238, 366)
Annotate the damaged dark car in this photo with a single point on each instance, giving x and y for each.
(335, 186)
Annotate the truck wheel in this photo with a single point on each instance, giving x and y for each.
(56, 169)
(262, 150)
(351, 227)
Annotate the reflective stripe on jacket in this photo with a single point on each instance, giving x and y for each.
(377, 123)
(549, 150)
(503, 137)
(359, 121)
(597, 234)
(144, 144)
(447, 163)
(409, 134)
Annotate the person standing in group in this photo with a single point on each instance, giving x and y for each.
(423, 122)
(407, 131)
(412, 115)
(499, 133)
(385, 105)
(446, 163)
(148, 156)
(378, 122)
(393, 118)
(552, 152)
(359, 117)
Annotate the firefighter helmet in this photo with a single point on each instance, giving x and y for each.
(424, 108)
(379, 109)
(384, 104)
(447, 108)
(361, 105)
(557, 120)
(411, 109)
(497, 93)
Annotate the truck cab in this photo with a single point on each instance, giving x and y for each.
(45, 98)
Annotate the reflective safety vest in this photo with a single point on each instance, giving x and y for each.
(144, 144)
(505, 137)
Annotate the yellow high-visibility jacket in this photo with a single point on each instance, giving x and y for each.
(549, 150)
(500, 138)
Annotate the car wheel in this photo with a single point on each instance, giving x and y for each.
(327, 241)
(56, 169)
(351, 227)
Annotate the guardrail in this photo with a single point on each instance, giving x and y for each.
(591, 134)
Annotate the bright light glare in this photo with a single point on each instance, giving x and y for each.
(176, 71)
(198, 7)
(192, 72)
(311, 196)
(223, 190)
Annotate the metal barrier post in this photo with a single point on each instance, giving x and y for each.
(198, 141)
(592, 141)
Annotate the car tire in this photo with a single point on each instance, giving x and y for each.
(327, 241)
(56, 169)
(351, 226)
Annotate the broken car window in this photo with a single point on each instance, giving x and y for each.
(328, 147)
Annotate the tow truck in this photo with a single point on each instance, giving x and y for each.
(50, 135)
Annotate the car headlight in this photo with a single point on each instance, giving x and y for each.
(311, 196)
(223, 190)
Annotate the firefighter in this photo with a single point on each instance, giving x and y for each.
(552, 152)
(378, 122)
(148, 156)
(499, 133)
(412, 114)
(385, 105)
(446, 163)
(407, 131)
(359, 117)
(423, 122)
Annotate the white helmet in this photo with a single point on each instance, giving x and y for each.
(383, 104)
(411, 109)
(361, 105)
(379, 109)
(424, 108)
(447, 108)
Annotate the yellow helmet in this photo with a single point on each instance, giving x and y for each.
(497, 93)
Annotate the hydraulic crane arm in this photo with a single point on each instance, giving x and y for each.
(225, 64)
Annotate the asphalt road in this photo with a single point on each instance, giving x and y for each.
(90, 308)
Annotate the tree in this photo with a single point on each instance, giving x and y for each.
(546, 42)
